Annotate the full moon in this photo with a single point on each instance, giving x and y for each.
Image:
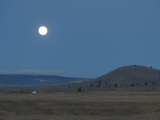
(42, 30)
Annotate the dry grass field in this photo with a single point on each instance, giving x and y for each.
(81, 106)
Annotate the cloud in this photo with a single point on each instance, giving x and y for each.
(37, 72)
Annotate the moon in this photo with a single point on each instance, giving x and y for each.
(42, 30)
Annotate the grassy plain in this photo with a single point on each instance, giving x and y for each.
(81, 106)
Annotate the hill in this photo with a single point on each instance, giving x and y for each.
(16, 79)
(127, 77)
(135, 78)
(130, 74)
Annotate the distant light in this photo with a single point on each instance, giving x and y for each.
(42, 30)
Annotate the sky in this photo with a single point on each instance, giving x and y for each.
(86, 38)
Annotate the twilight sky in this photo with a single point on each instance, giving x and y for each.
(86, 38)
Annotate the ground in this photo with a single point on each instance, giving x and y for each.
(81, 106)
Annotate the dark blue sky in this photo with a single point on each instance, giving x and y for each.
(86, 38)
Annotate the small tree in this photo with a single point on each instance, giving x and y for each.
(79, 89)
(146, 83)
(132, 85)
(100, 82)
(106, 83)
(115, 85)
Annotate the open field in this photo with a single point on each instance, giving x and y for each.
(81, 106)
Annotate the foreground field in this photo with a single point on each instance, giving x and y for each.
(80, 106)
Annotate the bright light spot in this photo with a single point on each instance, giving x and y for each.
(42, 30)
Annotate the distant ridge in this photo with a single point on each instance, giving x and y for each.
(18, 79)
